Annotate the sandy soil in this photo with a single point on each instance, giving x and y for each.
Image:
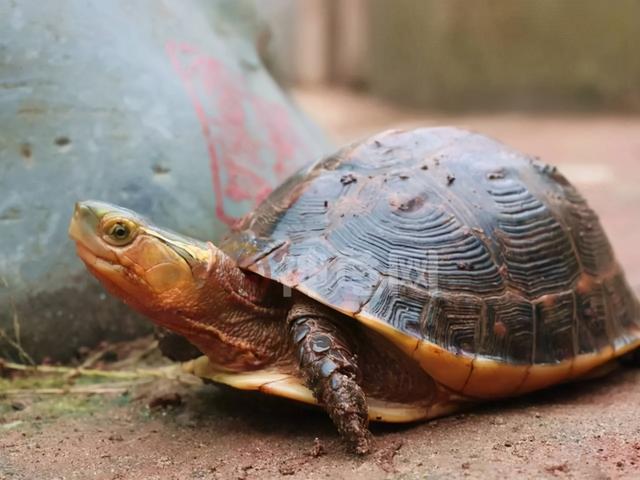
(587, 430)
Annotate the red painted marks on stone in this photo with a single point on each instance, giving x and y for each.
(251, 141)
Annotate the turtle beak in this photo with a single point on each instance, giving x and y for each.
(83, 221)
(84, 229)
(84, 224)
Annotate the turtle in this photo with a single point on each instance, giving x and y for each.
(407, 276)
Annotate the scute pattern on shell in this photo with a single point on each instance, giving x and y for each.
(450, 237)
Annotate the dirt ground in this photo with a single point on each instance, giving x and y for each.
(587, 431)
(166, 429)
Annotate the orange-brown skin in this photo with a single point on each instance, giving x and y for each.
(243, 322)
(182, 292)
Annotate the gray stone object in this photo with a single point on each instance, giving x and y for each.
(160, 106)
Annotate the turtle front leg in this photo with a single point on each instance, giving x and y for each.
(331, 372)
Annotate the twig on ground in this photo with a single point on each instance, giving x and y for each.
(138, 356)
(115, 388)
(161, 372)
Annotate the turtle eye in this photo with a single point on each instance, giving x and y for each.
(119, 232)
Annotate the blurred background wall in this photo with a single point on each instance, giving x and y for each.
(463, 55)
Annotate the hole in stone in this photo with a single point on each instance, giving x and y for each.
(62, 141)
(160, 169)
(25, 151)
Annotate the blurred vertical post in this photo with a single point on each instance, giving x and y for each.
(316, 42)
(312, 45)
(349, 41)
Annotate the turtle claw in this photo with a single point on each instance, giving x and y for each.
(347, 407)
(362, 445)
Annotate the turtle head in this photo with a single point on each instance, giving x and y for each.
(158, 272)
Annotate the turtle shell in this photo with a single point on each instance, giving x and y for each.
(485, 265)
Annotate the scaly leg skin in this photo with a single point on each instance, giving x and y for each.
(331, 372)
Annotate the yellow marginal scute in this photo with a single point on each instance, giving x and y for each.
(288, 386)
(544, 375)
(491, 379)
(446, 368)
(583, 364)
(484, 378)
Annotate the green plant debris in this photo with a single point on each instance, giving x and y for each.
(14, 341)
(67, 405)
(10, 425)
(32, 382)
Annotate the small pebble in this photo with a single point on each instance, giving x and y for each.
(498, 421)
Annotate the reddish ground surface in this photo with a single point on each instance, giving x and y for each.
(589, 430)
